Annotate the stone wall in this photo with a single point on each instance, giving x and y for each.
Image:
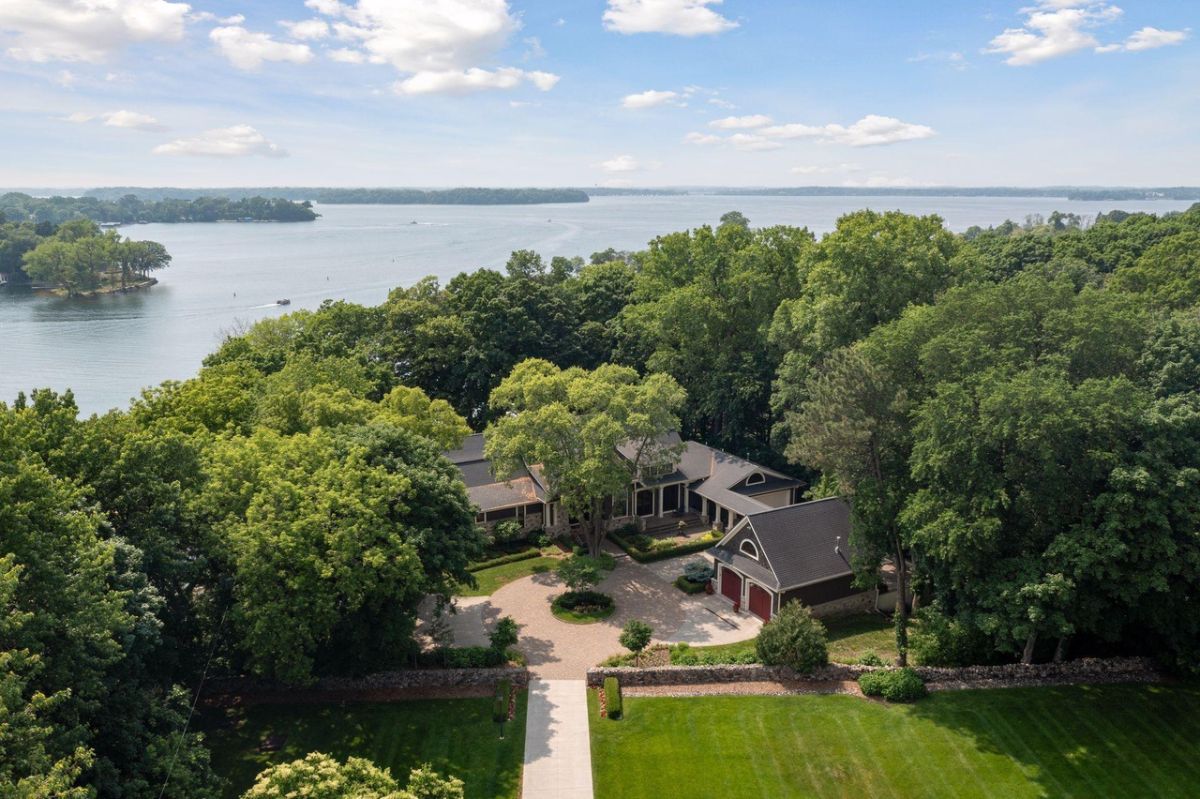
(430, 680)
(857, 603)
(1084, 671)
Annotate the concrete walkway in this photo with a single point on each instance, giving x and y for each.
(558, 753)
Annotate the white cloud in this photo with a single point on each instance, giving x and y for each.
(826, 169)
(238, 140)
(248, 50)
(696, 137)
(347, 56)
(753, 142)
(118, 119)
(879, 181)
(719, 103)
(1052, 29)
(741, 123)
(86, 30)
(307, 29)
(677, 17)
(65, 78)
(208, 16)
(953, 59)
(533, 49)
(620, 163)
(473, 80)
(1149, 38)
(437, 45)
(869, 131)
(649, 99)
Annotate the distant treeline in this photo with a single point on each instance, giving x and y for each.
(364, 196)
(1069, 192)
(128, 209)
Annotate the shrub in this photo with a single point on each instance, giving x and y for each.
(938, 640)
(612, 697)
(504, 634)
(500, 560)
(687, 586)
(507, 530)
(582, 601)
(462, 657)
(793, 638)
(870, 659)
(543, 540)
(636, 636)
(894, 685)
(578, 550)
(698, 572)
(500, 702)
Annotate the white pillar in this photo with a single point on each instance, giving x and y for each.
(658, 509)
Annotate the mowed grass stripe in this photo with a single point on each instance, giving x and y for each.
(1012, 743)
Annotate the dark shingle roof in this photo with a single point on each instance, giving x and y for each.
(803, 543)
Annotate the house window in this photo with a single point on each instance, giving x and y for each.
(747, 548)
(645, 503)
(758, 478)
(670, 498)
(620, 505)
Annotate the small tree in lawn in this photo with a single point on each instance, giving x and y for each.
(504, 634)
(793, 638)
(580, 572)
(636, 637)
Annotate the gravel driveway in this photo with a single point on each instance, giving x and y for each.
(559, 650)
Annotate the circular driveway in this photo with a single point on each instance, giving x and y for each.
(560, 650)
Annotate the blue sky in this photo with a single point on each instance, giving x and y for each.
(606, 92)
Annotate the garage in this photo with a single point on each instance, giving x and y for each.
(731, 585)
(760, 602)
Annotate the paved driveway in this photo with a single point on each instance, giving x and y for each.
(557, 650)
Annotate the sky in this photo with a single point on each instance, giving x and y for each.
(599, 93)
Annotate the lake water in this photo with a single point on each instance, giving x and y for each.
(108, 348)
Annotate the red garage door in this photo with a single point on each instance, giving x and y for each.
(760, 602)
(731, 585)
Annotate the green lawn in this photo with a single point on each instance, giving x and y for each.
(1107, 741)
(491, 579)
(851, 637)
(457, 736)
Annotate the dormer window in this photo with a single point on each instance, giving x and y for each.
(748, 549)
(758, 478)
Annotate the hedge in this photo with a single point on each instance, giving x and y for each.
(612, 697)
(500, 702)
(500, 560)
(687, 586)
(894, 685)
(461, 657)
(642, 556)
(572, 600)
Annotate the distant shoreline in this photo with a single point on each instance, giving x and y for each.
(544, 196)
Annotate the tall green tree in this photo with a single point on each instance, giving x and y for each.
(571, 423)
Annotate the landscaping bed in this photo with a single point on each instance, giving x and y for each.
(646, 549)
(582, 607)
(455, 736)
(1118, 740)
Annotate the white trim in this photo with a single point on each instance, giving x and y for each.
(750, 481)
(753, 547)
(819, 580)
(746, 583)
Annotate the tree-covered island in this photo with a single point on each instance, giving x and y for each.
(129, 209)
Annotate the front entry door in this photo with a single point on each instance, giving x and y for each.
(760, 602)
(731, 585)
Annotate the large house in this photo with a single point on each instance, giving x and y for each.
(719, 488)
(776, 548)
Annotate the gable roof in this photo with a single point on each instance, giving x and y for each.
(800, 544)
(484, 488)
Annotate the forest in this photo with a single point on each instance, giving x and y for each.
(1014, 414)
(362, 196)
(75, 257)
(129, 209)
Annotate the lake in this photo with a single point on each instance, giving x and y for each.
(108, 348)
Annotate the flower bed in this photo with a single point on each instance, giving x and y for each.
(662, 549)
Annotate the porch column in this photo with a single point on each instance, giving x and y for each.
(658, 503)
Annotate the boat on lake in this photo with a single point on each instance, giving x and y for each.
(284, 301)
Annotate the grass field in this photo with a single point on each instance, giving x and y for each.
(491, 579)
(456, 736)
(1109, 741)
(851, 637)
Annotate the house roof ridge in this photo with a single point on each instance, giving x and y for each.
(792, 506)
